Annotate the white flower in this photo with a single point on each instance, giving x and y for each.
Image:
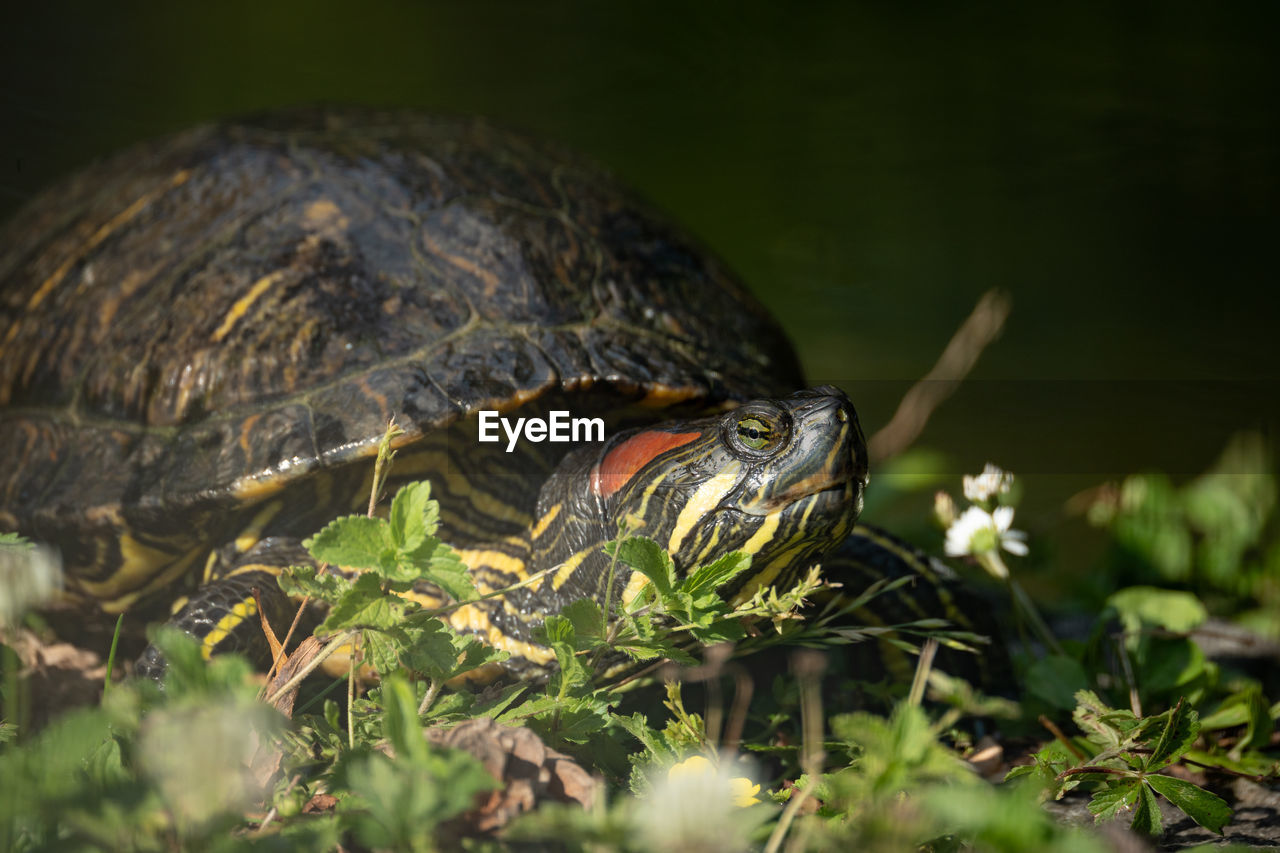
(991, 482)
(30, 575)
(978, 532)
(944, 509)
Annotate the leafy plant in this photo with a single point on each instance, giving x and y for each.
(1128, 754)
(208, 763)
(1215, 534)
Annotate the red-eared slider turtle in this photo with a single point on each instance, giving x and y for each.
(203, 339)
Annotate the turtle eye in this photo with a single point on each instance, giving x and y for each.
(755, 433)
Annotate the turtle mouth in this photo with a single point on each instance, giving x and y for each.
(826, 493)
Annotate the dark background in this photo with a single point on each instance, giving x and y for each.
(868, 169)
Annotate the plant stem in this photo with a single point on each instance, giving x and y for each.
(432, 692)
(351, 691)
(111, 658)
(325, 653)
(1022, 604)
(923, 665)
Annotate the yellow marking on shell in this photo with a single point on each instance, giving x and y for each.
(662, 396)
(567, 568)
(127, 287)
(428, 602)
(427, 460)
(703, 501)
(245, 568)
(483, 674)
(325, 216)
(229, 622)
(474, 620)
(468, 266)
(485, 503)
(246, 435)
(253, 489)
(138, 563)
(460, 527)
(159, 581)
(544, 522)
(477, 559)
(251, 534)
(638, 582)
(113, 224)
(207, 574)
(178, 603)
(244, 303)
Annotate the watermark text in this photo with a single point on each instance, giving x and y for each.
(558, 426)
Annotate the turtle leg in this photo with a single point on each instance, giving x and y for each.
(223, 614)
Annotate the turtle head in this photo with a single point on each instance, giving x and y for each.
(780, 479)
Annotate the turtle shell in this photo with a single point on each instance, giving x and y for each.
(193, 325)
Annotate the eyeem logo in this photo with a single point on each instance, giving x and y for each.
(557, 426)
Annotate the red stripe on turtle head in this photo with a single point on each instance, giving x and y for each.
(620, 464)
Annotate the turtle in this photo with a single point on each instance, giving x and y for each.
(203, 339)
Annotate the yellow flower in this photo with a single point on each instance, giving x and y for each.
(696, 766)
(742, 790)
(744, 793)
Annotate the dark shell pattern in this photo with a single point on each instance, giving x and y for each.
(197, 322)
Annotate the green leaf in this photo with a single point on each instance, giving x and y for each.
(414, 516)
(1248, 708)
(353, 542)
(556, 629)
(398, 804)
(1250, 763)
(1148, 606)
(1146, 817)
(14, 540)
(1257, 733)
(1101, 724)
(437, 563)
(1056, 679)
(189, 674)
(381, 647)
(1107, 802)
(641, 650)
(1206, 809)
(1166, 663)
(587, 618)
(299, 581)
(649, 559)
(575, 721)
(1177, 736)
(708, 579)
(400, 719)
(638, 727)
(435, 650)
(365, 605)
(572, 673)
(1232, 711)
(474, 653)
